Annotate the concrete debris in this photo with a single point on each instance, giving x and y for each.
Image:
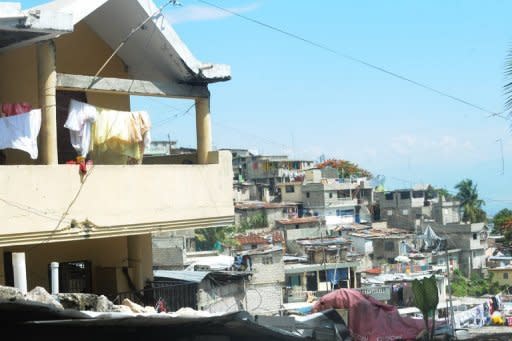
(78, 301)
(75, 301)
(39, 294)
(10, 294)
(103, 304)
(137, 308)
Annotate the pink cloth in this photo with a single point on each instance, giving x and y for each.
(11, 109)
(369, 319)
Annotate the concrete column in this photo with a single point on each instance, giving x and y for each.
(54, 266)
(47, 75)
(140, 256)
(20, 271)
(2, 269)
(203, 130)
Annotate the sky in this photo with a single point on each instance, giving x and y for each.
(298, 94)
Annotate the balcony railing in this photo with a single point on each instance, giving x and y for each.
(112, 200)
(174, 296)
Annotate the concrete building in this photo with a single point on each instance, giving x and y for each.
(325, 249)
(241, 191)
(405, 208)
(159, 148)
(300, 228)
(253, 241)
(502, 275)
(239, 161)
(339, 201)
(471, 239)
(97, 221)
(317, 279)
(264, 292)
(211, 291)
(170, 249)
(269, 212)
(266, 172)
(291, 191)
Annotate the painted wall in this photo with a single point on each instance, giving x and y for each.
(267, 273)
(264, 299)
(107, 255)
(295, 196)
(502, 276)
(216, 298)
(113, 195)
(81, 52)
(305, 232)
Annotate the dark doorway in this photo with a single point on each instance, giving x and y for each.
(66, 152)
(8, 270)
(74, 277)
(311, 282)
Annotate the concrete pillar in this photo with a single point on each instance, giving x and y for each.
(140, 258)
(20, 271)
(203, 130)
(2, 269)
(304, 281)
(47, 75)
(54, 268)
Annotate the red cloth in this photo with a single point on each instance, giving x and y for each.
(11, 109)
(370, 319)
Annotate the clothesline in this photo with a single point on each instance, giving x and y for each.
(105, 135)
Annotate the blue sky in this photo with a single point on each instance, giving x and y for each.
(288, 97)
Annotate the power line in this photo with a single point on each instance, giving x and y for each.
(84, 179)
(66, 212)
(30, 209)
(132, 32)
(360, 61)
(165, 120)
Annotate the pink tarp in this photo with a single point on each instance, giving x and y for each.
(369, 319)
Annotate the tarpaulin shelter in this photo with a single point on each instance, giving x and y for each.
(369, 319)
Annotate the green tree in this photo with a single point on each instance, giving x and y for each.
(471, 204)
(432, 192)
(502, 220)
(476, 286)
(212, 238)
(345, 168)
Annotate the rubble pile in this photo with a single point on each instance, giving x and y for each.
(75, 301)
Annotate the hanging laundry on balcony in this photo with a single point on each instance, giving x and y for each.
(11, 109)
(124, 133)
(111, 136)
(20, 131)
(79, 122)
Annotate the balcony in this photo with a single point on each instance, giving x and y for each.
(113, 200)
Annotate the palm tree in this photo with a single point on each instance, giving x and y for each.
(470, 203)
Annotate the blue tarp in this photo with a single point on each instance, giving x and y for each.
(336, 275)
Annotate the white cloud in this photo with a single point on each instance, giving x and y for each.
(204, 13)
(403, 144)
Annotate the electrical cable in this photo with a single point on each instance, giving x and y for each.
(359, 61)
(84, 179)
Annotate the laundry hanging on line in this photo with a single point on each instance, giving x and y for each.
(11, 109)
(20, 132)
(106, 131)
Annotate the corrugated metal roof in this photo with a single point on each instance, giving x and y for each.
(302, 220)
(189, 276)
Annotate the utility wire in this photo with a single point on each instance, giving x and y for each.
(360, 61)
(77, 194)
(132, 32)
